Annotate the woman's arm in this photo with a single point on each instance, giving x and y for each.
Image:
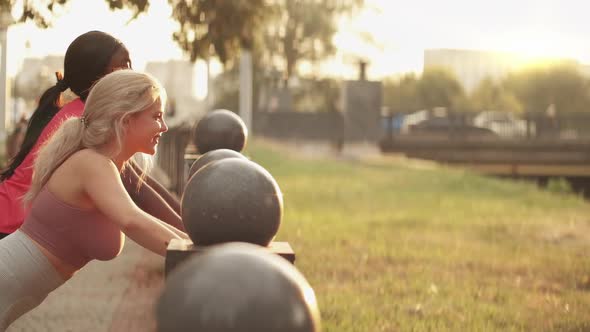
(170, 198)
(176, 231)
(102, 183)
(149, 200)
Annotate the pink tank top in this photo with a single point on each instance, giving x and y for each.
(74, 235)
(12, 212)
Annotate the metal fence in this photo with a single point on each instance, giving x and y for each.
(487, 125)
(170, 159)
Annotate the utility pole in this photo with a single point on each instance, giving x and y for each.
(5, 21)
(246, 82)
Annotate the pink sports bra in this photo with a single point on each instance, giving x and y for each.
(74, 235)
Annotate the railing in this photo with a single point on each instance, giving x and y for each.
(486, 125)
(170, 159)
(531, 145)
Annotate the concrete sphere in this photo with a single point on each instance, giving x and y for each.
(237, 287)
(220, 129)
(212, 156)
(232, 199)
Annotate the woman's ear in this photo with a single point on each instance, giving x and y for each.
(127, 119)
(126, 123)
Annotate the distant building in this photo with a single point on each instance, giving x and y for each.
(472, 66)
(35, 76)
(49, 64)
(38, 74)
(179, 77)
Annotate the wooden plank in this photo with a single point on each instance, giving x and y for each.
(179, 250)
(527, 169)
(516, 157)
(410, 143)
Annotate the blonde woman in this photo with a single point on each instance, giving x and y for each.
(79, 208)
(88, 58)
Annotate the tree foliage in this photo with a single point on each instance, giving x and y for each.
(39, 12)
(560, 85)
(287, 30)
(220, 27)
(303, 29)
(439, 88)
(493, 96)
(211, 27)
(136, 6)
(435, 88)
(207, 27)
(535, 89)
(401, 95)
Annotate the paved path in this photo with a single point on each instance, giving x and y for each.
(104, 297)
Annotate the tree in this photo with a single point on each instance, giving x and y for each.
(402, 95)
(559, 85)
(207, 27)
(435, 88)
(490, 95)
(303, 29)
(439, 88)
(317, 95)
(290, 29)
(221, 26)
(41, 14)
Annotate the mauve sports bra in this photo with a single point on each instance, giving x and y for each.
(74, 235)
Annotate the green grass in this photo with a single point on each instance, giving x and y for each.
(388, 246)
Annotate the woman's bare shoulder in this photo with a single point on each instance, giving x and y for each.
(90, 159)
(88, 153)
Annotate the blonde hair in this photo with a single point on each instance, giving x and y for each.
(111, 101)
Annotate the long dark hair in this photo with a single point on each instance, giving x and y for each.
(86, 60)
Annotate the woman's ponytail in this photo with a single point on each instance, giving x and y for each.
(65, 141)
(49, 105)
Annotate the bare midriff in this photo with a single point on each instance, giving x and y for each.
(65, 270)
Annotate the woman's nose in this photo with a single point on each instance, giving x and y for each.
(164, 127)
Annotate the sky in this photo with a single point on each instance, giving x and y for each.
(400, 32)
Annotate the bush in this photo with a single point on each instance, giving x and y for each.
(559, 185)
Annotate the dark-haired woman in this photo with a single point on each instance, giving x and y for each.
(88, 58)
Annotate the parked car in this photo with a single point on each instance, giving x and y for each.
(415, 118)
(446, 128)
(505, 124)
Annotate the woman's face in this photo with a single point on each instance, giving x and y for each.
(119, 60)
(145, 128)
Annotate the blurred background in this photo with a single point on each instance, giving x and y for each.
(342, 97)
(334, 71)
(495, 62)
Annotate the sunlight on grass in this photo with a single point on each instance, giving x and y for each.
(391, 247)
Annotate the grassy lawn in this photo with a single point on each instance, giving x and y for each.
(391, 246)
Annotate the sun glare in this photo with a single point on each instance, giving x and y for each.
(149, 37)
(391, 37)
(200, 80)
(537, 47)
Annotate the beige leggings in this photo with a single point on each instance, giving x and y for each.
(26, 277)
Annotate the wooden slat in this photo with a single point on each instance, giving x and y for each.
(179, 250)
